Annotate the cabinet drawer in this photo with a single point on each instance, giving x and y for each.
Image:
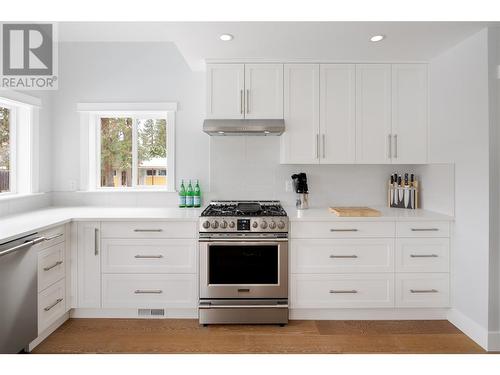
(51, 267)
(422, 255)
(54, 236)
(51, 305)
(148, 229)
(423, 229)
(149, 255)
(149, 291)
(422, 290)
(341, 229)
(342, 291)
(342, 256)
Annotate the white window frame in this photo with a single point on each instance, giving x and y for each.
(91, 114)
(23, 123)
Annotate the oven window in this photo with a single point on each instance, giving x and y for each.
(243, 264)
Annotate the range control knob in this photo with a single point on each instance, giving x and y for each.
(206, 224)
(281, 224)
(263, 224)
(255, 224)
(223, 225)
(272, 225)
(215, 225)
(231, 224)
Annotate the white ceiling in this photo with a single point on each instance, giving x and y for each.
(284, 41)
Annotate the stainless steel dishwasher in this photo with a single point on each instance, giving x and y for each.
(18, 293)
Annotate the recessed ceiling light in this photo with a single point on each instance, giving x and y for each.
(220, 132)
(377, 38)
(226, 37)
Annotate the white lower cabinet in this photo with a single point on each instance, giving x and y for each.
(149, 291)
(422, 290)
(422, 255)
(51, 305)
(51, 266)
(89, 265)
(342, 291)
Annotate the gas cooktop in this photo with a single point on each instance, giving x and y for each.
(244, 208)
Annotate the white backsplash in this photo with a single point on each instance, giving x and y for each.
(18, 205)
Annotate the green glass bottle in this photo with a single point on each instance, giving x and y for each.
(189, 195)
(197, 195)
(182, 195)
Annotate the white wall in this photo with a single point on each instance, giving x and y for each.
(126, 72)
(459, 132)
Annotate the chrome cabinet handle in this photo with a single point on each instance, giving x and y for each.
(317, 146)
(59, 262)
(148, 230)
(354, 291)
(53, 237)
(148, 256)
(395, 145)
(343, 230)
(241, 101)
(48, 308)
(390, 146)
(324, 152)
(343, 256)
(96, 241)
(423, 255)
(424, 229)
(248, 101)
(148, 291)
(423, 291)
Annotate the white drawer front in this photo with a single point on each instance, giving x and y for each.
(422, 290)
(149, 255)
(149, 291)
(51, 267)
(341, 229)
(342, 291)
(148, 229)
(422, 255)
(54, 236)
(423, 229)
(51, 305)
(342, 256)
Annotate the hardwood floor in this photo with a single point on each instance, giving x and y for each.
(300, 336)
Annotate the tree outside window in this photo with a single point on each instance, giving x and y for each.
(4, 150)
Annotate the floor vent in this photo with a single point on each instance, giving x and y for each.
(155, 313)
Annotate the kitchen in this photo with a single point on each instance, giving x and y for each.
(280, 138)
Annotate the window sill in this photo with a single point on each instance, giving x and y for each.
(5, 197)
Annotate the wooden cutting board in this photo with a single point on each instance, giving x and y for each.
(355, 211)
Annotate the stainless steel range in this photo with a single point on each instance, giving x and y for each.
(243, 263)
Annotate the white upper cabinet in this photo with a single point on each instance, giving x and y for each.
(373, 113)
(225, 91)
(263, 91)
(337, 113)
(300, 143)
(409, 113)
(251, 91)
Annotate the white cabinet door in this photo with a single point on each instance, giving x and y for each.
(409, 113)
(225, 91)
(89, 265)
(373, 113)
(263, 91)
(300, 141)
(337, 113)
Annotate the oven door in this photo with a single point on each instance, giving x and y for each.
(244, 269)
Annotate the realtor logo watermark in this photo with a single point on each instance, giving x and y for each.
(28, 56)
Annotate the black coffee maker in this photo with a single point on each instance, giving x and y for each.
(300, 187)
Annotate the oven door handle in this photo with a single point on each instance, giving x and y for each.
(249, 242)
(277, 306)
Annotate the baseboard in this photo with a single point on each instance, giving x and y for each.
(48, 331)
(468, 326)
(369, 314)
(494, 341)
(132, 314)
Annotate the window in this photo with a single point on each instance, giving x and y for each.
(133, 149)
(5, 150)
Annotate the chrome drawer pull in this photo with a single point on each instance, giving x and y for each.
(148, 256)
(423, 291)
(343, 256)
(59, 262)
(53, 237)
(423, 255)
(424, 229)
(344, 230)
(148, 291)
(48, 308)
(148, 230)
(343, 291)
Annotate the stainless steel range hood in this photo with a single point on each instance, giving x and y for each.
(244, 127)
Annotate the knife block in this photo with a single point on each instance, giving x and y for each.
(403, 196)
